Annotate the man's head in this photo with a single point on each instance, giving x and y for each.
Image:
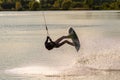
(49, 46)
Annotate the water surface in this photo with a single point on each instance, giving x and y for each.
(22, 36)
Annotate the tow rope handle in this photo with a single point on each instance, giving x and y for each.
(47, 30)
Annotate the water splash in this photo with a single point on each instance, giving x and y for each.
(34, 70)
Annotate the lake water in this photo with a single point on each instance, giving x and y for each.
(24, 57)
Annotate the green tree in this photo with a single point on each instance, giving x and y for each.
(18, 6)
(57, 4)
(106, 6)
(115, 5)
(1, 1)
(77, 4)
(89, 3)
(66, 4)
(78, 0)
(34, 5)
(46, 4)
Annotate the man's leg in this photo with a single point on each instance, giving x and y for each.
(61, 38)
(62, 43)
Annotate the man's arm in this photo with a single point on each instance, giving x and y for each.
(46, 40)
(50, 39)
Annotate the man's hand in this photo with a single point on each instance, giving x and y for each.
(48, 37)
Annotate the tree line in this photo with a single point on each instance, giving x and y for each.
(33, 5)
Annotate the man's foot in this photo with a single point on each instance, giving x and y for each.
(70, 36)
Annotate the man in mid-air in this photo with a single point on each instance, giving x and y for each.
(49, 44)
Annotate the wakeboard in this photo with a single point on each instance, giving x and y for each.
(74, 38)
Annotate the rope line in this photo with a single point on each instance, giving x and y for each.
(45, 24)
